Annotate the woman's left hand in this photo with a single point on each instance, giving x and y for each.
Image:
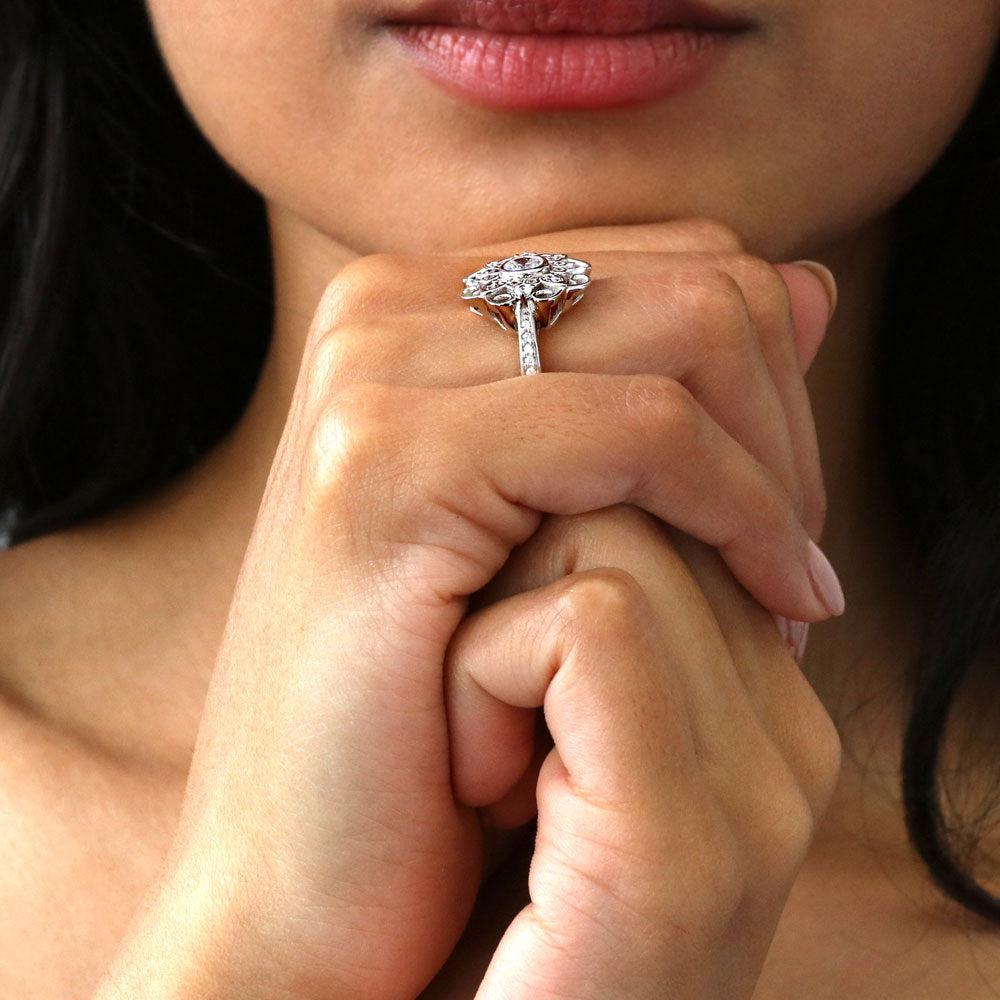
(307, 863)
(692, 761)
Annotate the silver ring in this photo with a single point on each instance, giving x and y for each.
(525, 294)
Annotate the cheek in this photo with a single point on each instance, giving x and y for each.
(898, 86)
(250, 73)
(863, 100)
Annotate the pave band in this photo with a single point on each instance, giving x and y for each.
(527, 293)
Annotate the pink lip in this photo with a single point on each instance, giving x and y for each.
(549, 55)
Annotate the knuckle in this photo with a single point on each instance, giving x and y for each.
(779, 820)
(704, 907)
(820, 752)
(666, 408)
(346, 352)
(348, 438)
(606, 606)
(715, 309)
(361, 286)
(373, 273)
(706, 309)
(766, 290)
(324, 357)
(790, 824)
(646, 889)
(757, 274)
(714, 235)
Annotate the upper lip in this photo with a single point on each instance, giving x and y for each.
(583, 17)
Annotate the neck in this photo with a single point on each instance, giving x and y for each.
(859, 663)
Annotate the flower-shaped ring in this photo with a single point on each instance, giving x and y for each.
(527, 293)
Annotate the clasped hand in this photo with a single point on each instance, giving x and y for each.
(623, 524)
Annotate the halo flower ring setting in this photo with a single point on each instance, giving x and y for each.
(527, 293)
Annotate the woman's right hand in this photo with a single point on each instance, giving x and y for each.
(321, 851)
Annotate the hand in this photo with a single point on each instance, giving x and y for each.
(691, 763)
(321, 850)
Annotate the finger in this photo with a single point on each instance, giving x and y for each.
(674, 461)
(813, 303)
(791, 310)
(518, 805)
(628, 539)
(588, 647)
(625, 537)
(689, 323)
(698, 325)
(493, 737)
(783, 700)
(720, 324)
(728, 330)
(380, 285)
(625, 795)
(738, 333)
(558, 443)
(687, 581)
(502, 657)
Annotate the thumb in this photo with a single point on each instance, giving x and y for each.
(813, 292)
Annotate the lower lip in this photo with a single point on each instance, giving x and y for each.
(562, 72)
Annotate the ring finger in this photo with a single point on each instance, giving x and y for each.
(731, 344)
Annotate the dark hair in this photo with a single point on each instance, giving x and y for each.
(136, 304)
(937, 384)
(137, 308)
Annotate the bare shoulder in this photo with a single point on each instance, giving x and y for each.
(82, 840)
(851, 931)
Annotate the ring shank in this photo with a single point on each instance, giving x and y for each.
(527, 337)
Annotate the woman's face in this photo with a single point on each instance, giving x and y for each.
(811, 120)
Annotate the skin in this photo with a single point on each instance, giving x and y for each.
(143, 596)
(814, 147)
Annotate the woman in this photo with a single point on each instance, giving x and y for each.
(402, 549)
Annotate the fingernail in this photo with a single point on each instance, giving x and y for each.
(825, 581)
(798, 633)
(794, 633)
(825, 275)
(782, 622)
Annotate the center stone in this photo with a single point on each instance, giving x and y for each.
(528, 263)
